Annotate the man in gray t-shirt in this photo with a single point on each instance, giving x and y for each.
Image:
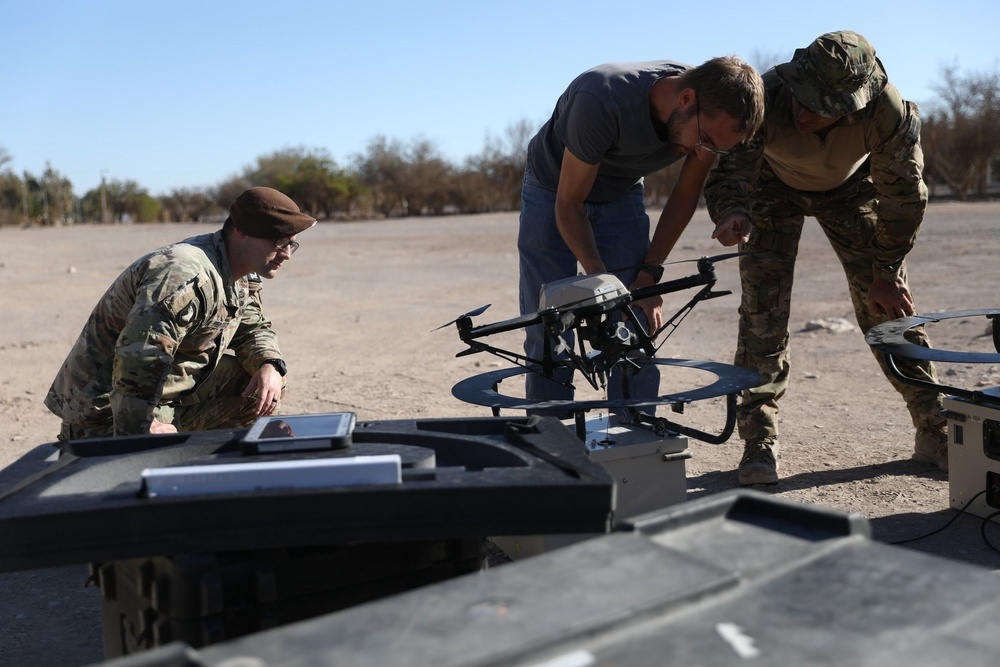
(582, 196)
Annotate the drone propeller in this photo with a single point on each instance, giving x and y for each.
(711, 260)
(471, 313)
(656, 270)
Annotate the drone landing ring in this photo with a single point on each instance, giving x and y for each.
(888, 337)
(482, 389)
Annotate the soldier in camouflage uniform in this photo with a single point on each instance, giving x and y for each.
(839, 144)
(179, 341)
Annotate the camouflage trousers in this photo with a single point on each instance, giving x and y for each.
(215, 403)
(847, 217)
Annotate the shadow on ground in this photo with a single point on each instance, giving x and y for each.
(717, 481)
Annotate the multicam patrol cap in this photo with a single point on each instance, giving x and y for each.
(836, 75)
(266, 213)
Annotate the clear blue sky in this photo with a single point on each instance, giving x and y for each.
(185, 94)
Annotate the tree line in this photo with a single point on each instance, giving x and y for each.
(391, 178)
(960, 135)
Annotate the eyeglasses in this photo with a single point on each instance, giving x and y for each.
(286, 244)
(701, 139)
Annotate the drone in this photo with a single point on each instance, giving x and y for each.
(591, 330)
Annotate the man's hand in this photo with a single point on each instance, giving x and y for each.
(733, 228)
(266, 384)
(891, 299)
(652, 307)
(160, 427)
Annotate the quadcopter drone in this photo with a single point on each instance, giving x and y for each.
(591, 329)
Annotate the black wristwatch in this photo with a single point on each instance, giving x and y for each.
(279, 364)
(655, 270)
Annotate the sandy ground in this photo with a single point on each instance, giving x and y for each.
(356, 309)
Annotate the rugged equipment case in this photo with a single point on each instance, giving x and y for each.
(649, 470)
(974, 455)
(209, 567)
(731, 579)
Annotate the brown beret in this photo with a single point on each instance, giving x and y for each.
(265, 213)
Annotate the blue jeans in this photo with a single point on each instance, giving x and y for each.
(621, 229)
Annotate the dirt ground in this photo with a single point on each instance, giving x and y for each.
(356, 311)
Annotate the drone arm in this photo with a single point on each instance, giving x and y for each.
(545, 367)
(700, 278)
(644, 340)
(484, 330)
(703, 294)
(705, 277)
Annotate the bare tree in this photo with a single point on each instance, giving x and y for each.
(382, 170)
(765, 60)
(188, 204)
(226, 192)
(12, 191)
(501, 165)
(428, 179)
(57, 197)
(961, 131)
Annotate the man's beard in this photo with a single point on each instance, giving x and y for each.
(677, 118)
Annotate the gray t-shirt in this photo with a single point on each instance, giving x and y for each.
(605, 117)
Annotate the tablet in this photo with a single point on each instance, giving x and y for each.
(298, 433)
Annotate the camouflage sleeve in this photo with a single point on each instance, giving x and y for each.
(897, 164)
(731, 182)
(145, 350)
(255, 341)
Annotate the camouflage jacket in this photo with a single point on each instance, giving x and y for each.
(157, 332)
(880, 142)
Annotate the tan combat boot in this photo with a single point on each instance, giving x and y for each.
(759, 464)
(930, 445)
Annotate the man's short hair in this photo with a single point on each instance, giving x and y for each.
(731, 86)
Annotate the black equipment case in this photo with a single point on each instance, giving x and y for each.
(206, 567)
(732, 579)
